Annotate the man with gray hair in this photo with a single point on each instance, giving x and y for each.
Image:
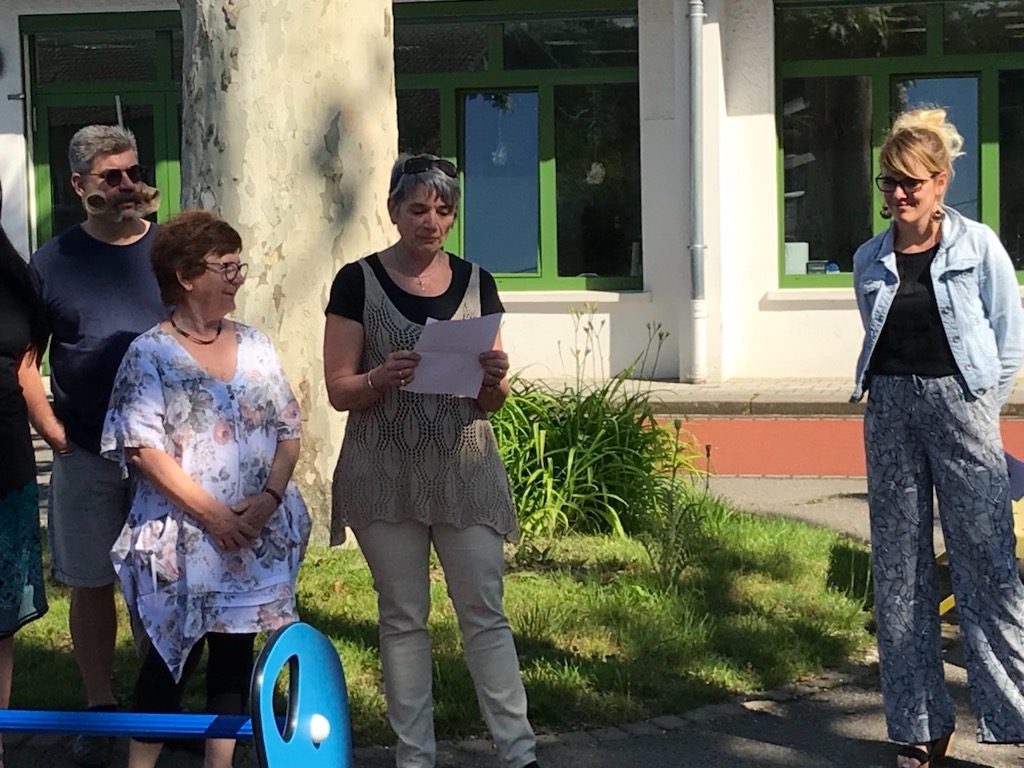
(100, 293)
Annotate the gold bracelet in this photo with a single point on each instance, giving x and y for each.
(369, 381)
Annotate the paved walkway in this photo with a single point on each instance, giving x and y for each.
(761, 427)
(777, 397)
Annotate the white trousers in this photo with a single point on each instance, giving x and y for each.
(398, 556)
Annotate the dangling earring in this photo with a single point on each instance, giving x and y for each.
(938, 214)
(885, 213)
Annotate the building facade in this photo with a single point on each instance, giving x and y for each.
(571, 123)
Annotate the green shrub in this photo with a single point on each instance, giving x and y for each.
(589, 457)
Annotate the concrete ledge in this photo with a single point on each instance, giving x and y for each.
(549, 300)
(774, 405)
(794, 406)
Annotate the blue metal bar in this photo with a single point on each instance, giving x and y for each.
(126, 724)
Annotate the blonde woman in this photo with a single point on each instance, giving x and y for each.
(944, 339)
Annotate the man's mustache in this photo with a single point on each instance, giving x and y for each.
(146, 200)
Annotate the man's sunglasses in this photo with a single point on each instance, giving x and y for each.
(422, 163)
(910, 186)
(112, 177)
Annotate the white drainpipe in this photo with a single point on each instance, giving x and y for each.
(698, 373)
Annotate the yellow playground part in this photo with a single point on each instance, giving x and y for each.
(946, 605)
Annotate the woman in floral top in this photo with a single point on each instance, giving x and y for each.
(202, 410)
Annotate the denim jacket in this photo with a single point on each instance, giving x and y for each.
(976, 293)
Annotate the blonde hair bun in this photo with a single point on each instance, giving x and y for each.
(935, 120)
(922, 136)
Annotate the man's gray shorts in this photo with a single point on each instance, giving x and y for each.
(88, 507)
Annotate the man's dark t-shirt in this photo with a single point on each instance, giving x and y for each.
(98, 298)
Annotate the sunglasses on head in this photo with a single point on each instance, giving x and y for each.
(113, 176)
(422, 163)
(908, 185)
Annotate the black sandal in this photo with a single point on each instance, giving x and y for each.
(935, 751)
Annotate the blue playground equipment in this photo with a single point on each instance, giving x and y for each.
(316, 727)
(314, 732)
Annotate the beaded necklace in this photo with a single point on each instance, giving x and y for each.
(193, 339)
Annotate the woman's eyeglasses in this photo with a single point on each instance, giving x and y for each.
(888, 184)
(422, 163)
(229, 271)
(113, 176)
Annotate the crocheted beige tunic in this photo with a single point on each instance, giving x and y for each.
(431, 458)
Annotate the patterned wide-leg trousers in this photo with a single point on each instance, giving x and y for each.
(924, 434)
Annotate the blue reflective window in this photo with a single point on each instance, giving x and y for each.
(959, 96)
(501, 180)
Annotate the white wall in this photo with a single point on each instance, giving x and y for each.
(767, 331)
(14, 150)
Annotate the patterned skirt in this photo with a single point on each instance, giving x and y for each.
(22, 594)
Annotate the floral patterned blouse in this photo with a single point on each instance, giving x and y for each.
(177, 582)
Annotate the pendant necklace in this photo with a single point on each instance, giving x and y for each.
(404, 269)
(193, 339)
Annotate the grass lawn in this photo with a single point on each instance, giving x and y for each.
(760, 603)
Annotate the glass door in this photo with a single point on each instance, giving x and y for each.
(57, 120)
(1011, 163)
(958, 95)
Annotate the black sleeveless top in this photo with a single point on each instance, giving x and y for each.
(17, 460)
(913, 340)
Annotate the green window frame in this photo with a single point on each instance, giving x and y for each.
(883, 72)
(544, 81)
(162, 94)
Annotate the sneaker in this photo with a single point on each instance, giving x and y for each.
(92, 751)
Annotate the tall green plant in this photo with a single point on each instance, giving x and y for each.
(683, 524)
(589, 457)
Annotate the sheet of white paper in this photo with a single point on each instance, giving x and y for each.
(450, 356)
(1016, 469)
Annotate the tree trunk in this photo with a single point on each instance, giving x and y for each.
(289, 132)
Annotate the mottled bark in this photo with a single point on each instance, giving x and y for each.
(289, 131)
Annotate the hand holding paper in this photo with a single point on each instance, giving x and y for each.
(449, 356)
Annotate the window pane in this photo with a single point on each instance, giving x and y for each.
(1011, 164)
(501, 184)
(852, 33)
(959, 96)
(572, 43)
(826, 136)
(65, 206)
(63, 57)
(597, 141)
(440, 48)
(984, 27)
(419, 122)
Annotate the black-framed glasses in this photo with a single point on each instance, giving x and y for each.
(113, 176)
(888, 184)
(229, 270)
(422, 163)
